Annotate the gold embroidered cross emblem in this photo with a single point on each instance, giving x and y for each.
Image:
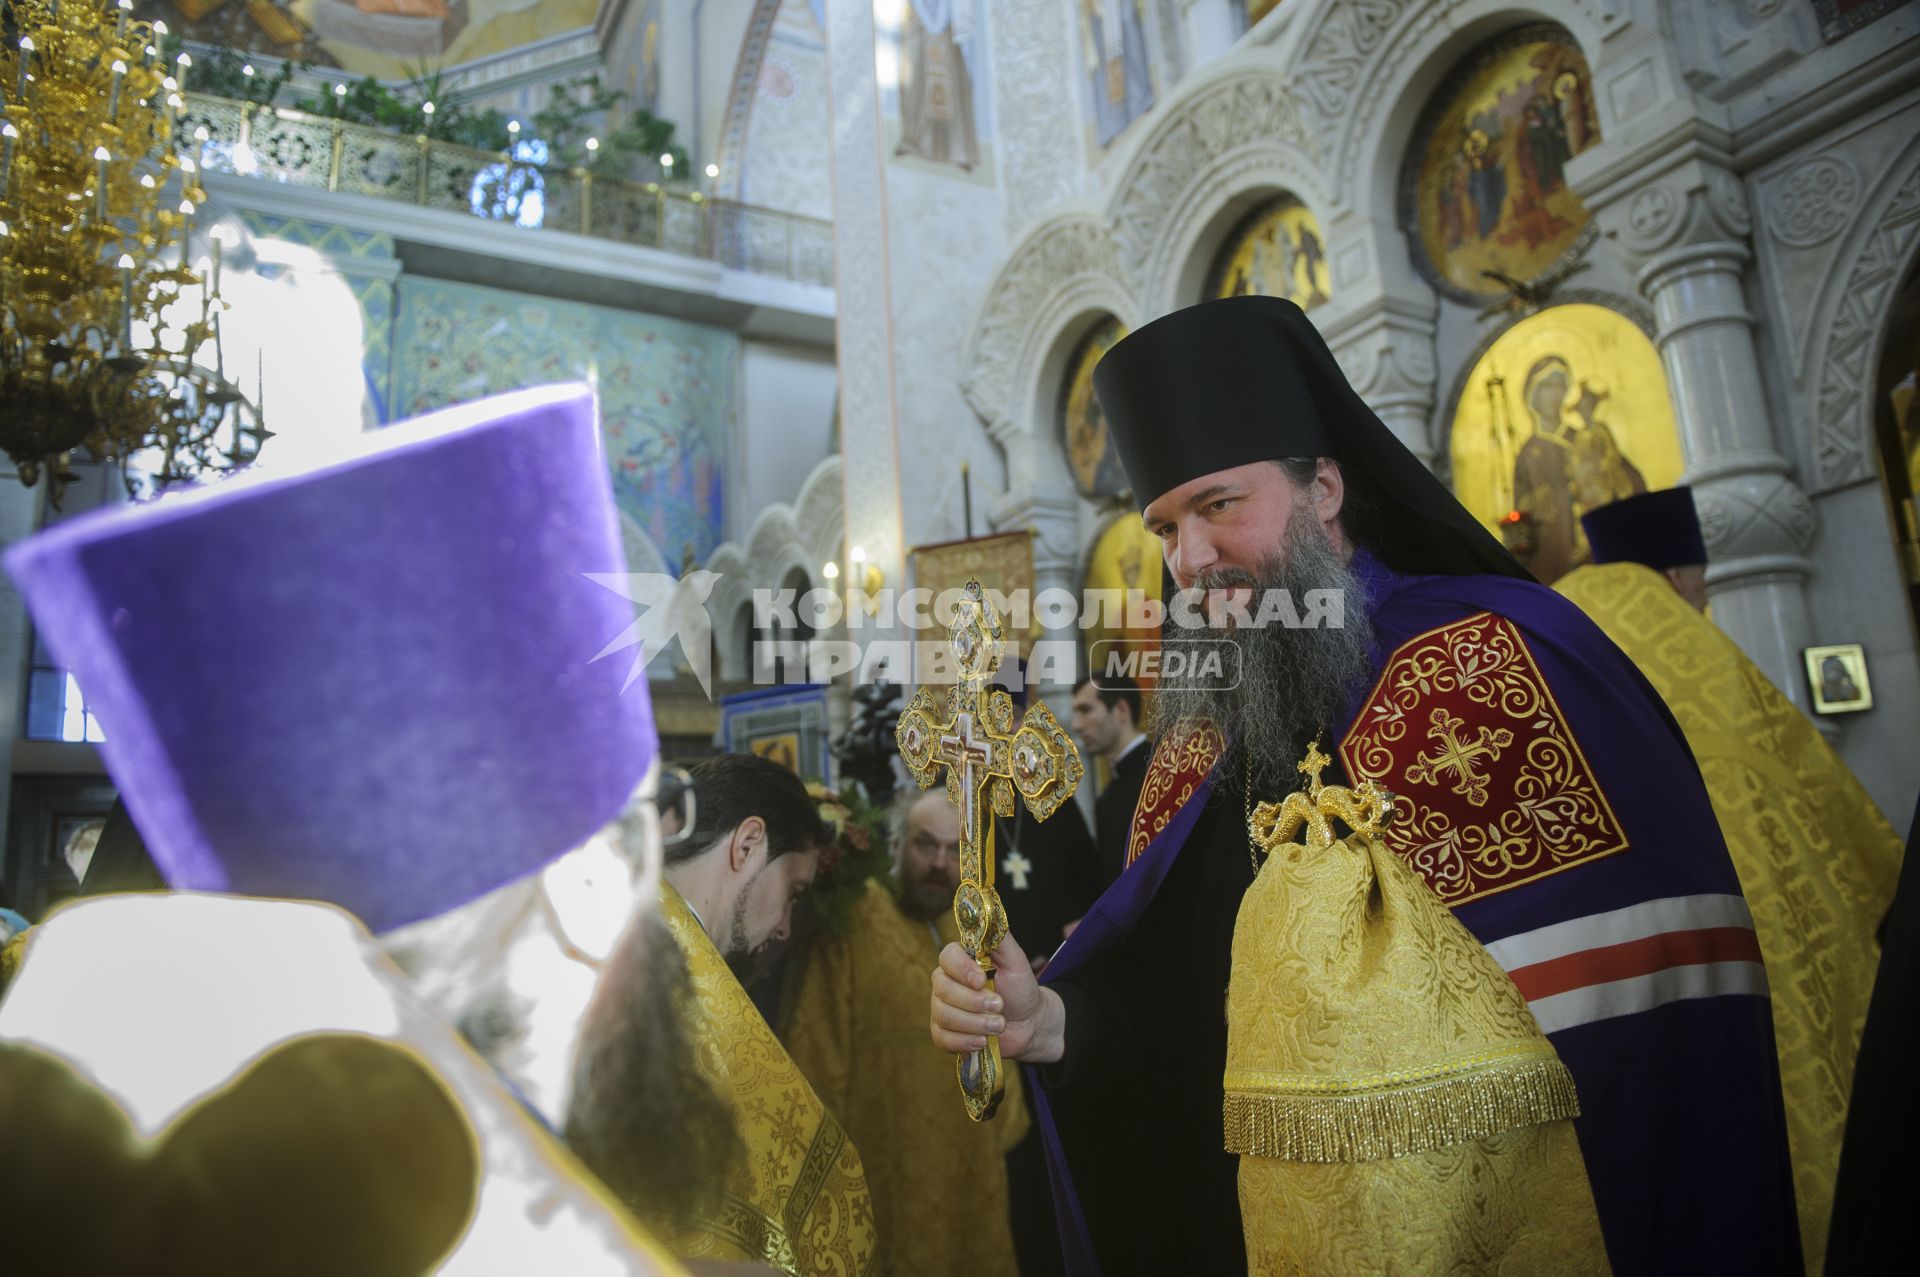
(1458, 756)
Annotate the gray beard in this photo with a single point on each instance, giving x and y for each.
(1294, 682)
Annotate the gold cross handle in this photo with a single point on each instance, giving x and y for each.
(967, 729)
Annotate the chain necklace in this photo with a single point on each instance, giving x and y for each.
(1246, 799)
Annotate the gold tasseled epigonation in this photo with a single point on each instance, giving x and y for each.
(1314, 1119)
(1386, 1088)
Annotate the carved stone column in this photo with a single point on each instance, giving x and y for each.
(1684, 226)
(869, 425)
(1385, 346)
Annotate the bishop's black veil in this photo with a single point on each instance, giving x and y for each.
(1247, 379)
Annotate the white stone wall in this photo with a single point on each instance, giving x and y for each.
(785, 429)
(784, 160)
(1756, 197)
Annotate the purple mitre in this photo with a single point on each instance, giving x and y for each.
(370, 683)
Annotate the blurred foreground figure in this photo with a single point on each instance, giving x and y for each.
(792, 1193)
(1815, 856)
(371, 685)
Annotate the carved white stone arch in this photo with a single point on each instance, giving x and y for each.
(642, 554)
(1881, 246)
(1062, 273)
(1234, 128)
(784, 539)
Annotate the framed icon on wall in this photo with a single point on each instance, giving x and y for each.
(1837, 674)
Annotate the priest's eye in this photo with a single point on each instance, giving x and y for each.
(1215, 507)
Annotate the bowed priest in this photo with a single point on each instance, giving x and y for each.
(1597, 967)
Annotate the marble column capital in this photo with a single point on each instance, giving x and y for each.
(1690, 215)
(1387, 353)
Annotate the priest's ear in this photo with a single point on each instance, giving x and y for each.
(748, 837)
(1328, 492)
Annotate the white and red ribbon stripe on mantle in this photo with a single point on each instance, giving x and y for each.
(1634, 959)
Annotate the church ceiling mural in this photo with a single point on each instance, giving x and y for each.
(373, 37)
(665, 390)
(1484, 193)
(1567, 410)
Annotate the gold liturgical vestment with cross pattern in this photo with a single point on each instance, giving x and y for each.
(799, 1202)
(1815, 857)
(1394, 1104)
(858, 1030)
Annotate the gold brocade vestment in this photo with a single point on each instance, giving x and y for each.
(799, 1202)
(1816, 859)
(1395, 1106)
(858, 1030)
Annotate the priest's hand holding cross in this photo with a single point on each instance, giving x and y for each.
(967, 729)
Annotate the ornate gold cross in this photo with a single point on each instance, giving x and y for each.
(1365, 809)
(1457, 756)
(967, 729)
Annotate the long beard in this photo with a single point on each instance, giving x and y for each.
(643, 1117)
(1294, 682)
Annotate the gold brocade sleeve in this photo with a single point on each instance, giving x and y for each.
(800, 1201)
(1816, 859)
(1395, 1106)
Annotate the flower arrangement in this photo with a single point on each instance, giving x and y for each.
(858, 852)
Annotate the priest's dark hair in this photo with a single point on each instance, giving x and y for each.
(1245, 379)
(1114, 689)
(730, 788)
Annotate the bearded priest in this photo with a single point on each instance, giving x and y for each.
(1603, 969)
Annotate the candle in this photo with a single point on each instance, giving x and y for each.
(186, 229)
(213, 283)
(182, 64)
(20, 86)
(126, 303)
(100, 158)
(113, 97)
(7, 134)
(120, 27)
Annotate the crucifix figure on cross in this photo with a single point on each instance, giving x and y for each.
(967, 729)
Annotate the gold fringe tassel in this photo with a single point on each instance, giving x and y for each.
(1377, 1124)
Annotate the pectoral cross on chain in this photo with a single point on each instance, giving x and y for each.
(966, 728)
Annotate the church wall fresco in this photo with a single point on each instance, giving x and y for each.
(1485, 188)
(1278, 251)
(936, 85)
(1090, 453)
(373, 37)
(1567, 410)
(666, 390)
(1116, 64)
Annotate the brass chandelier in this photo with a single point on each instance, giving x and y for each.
(111, 340)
